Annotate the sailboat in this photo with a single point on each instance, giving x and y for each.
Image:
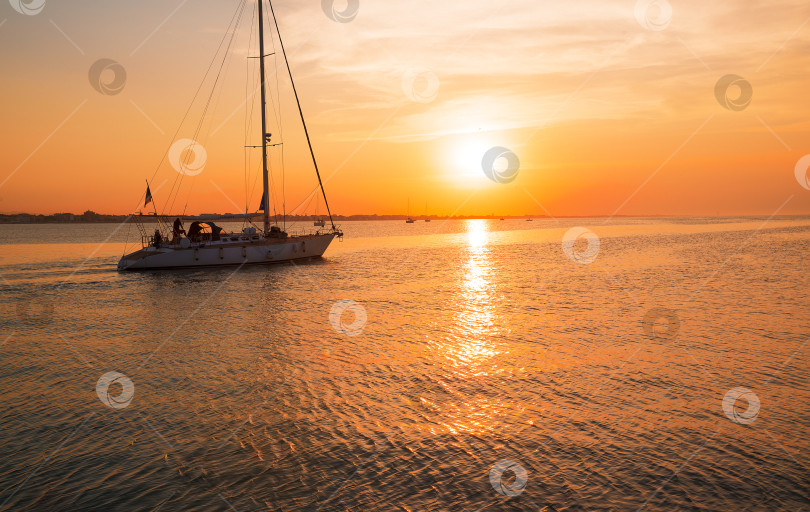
(409, 220)
(210, 246)
(427, 219)
(319, 222)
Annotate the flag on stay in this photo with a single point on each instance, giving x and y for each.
(148, 196)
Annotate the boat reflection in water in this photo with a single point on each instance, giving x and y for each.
(469, 348)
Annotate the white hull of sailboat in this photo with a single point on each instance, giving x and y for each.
(214, 254)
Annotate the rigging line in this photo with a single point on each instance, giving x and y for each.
(266, 157)
(279, 116)
(188, 110)
(308, 197)
(272, 187)
(276, 111)
(215, 96)
(175, 190)
(250, 190)
(228, 63)
(283, 192)
(247, 111)
(235, 23)
(214, 86)
(273, 100)
(248, 130)
(301, 112)
(271, 193)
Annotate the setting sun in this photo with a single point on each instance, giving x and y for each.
(465, 162)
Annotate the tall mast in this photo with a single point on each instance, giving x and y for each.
(300, 112)
(265, 135)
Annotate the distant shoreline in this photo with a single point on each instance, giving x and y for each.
(109, 219)
(95, 218)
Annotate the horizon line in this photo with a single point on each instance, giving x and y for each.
(405, 216)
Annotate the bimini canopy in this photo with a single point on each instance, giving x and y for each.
(215, 230)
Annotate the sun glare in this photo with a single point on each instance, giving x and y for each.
(466, 161)
(477, 232)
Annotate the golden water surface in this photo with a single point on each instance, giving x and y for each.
(463, 344)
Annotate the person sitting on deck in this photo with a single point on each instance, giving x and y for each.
(194, 231)
(157, 238)
(177, 229)
(216, 231)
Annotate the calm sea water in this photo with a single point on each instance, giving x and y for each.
(475, 367)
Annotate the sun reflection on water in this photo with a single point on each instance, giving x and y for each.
(468, 349)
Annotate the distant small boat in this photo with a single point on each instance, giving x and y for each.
(427, 220)
(320, 223)
(410, 219)
(502, 218)
(529, 220)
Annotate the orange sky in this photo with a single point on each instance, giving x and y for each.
(606, 114)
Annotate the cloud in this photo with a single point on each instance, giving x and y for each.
(522, 63)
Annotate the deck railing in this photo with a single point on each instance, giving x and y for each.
(149, 240)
